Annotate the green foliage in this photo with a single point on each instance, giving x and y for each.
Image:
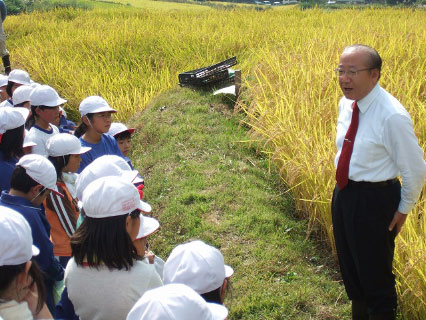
(18, 6)
(204, 182)
(15, 6)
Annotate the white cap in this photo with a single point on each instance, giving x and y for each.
(110, 197)
(44, 95)
(98, 168)
(123, 165)
(19, 76)
(22, 94)
(16, 241)
(3, 80)
(27, 140)
(175, 302)
(148, 226)
(12, 118)
(62, 144)
(94, 104)
(40, 170)
(118, 127)
(198, 265)
(34, 84)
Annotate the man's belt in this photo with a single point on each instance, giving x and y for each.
(370, 185)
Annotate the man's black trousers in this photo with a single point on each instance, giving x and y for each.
(362, 213)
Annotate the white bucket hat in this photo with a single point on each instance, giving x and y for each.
(40, 170)
(16, 241)
(3, 80)
(27, 140)
(44, 95)
(22, 94)
(63, 144)
(198, 265)
(94, 104)
(175, 302)
(12, 118)
(19, 76)
(118, 127)
(110, 197)
(98, 168)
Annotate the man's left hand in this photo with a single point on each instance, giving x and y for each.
(398, 221)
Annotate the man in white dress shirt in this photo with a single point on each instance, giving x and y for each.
(370, 206)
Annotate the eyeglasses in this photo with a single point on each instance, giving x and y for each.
(350, 73)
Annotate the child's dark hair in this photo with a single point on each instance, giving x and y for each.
(12, 143)
(104, 241)
(32, 118)
(123, 135)
(9, 273)
(213, 296)
(9, 88)
(21, 181)
(59, 163)
(82, 128)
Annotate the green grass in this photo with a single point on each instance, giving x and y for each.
(204, 183)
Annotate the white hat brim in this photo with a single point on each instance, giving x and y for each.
(147, 227)
(144, 207)
(129, 176)
(29, 144)
(138, 179)
(83, 150)
(218, 311)
(103, 109)
(228, 271)
(55, 103)
(35, 250)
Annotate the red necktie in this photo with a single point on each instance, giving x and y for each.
(342, 171)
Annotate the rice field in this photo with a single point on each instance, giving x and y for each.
(130, 55)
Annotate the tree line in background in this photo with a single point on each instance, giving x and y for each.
(18, 6)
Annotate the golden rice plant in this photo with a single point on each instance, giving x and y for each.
(294, 110)
(287, 56)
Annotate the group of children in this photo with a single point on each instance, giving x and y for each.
(74, 226)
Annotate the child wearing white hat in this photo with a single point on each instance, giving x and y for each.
(123, 136)
(21, 282)
(45, 103)
(64, 152)
(175, 302)
(108, 165)
(16, 79)
(12, 133)
(201, 267)
(104, 279)
(32, 180)
(21, 97)
(95, 122)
